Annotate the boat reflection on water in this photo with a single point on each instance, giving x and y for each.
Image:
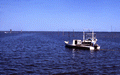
(77, 52)
(73, 53)
(92, 53)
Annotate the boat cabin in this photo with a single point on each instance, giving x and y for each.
(77, 42)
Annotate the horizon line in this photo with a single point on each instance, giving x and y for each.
(57, 31)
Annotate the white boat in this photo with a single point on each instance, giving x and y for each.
(5, 32)
(89, 42)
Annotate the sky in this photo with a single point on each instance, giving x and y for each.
(59, 15)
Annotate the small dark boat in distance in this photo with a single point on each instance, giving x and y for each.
(89, 42)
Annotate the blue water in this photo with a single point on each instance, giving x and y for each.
(45, 53)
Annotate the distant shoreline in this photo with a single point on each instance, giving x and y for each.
(59, 31)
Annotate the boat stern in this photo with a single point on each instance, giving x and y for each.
(94, 48)
(98, 48)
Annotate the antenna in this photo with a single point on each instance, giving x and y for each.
(63, 33)
(73, 32)
(58, 32)
(83, 35)
(92, 35)
(111, 28)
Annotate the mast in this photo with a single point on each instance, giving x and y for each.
(83, 35)
(63, 33)
(111, 28)
(73, 32)
(92, 35)
(58, 32)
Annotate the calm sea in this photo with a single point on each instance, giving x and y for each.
(45, 53)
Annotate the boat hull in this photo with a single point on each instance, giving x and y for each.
(82, 47)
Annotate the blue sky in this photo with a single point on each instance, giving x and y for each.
(62, 15)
